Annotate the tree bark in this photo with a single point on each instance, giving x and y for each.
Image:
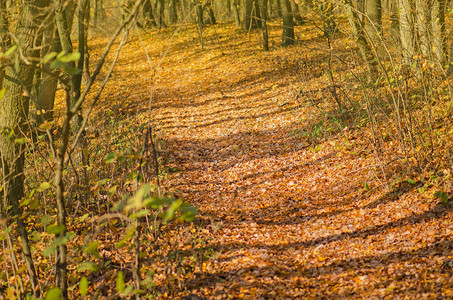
(159, 11)
(148, 14)
(374, 21)
(296, 13)
(236, 15)
(288, 24)
(248, 14)
(407, 35)
(13, 118)
(438, 30)
(172, 12)
(362, 43)
(263, 7)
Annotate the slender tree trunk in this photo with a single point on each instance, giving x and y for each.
(362, 43)
(422, 22)
(99, 12)
(199, 14)
(438, 30)
(278, 8)
(394, 21)
(208, 8)
(248, 14)
(49, 82)
(86, 61)
(257, 20)
(263, 7)
(450, 60)
(288, 24)
(296, 13)
(236, 15)
(406, 30)
(374, 21)
(148, 14)
(159, 11)
(172, 12)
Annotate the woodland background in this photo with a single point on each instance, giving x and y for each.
(226, 149)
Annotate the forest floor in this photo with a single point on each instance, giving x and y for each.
(292, 205)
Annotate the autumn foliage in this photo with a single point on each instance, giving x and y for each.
(240, 173)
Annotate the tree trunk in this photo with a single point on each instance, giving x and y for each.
(407, 35)
(199, 12)
(172, 12)
(374, 21)
(208, 8)
(450, 60)
(394, 21)
(278, 9)
(248, 14)
(438, 30)
(148, 14)
(4, 38)
(263, 7)
(13, 118)
(159, 11)
(86, 61)
(296, 14)
(49, 82)
(422, 22)
(362, 43)
(236, 15)
(288, 24)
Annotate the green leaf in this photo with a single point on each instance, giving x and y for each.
(140, 213)
(10, 51)
(20, 141)
(110, 158)
(92, 248)
(43, 186)
(367, 186)
(136, 201)
(411, 181)
(88, 266)
(34, 204)
(46, 125)
(55, 228)
(127, 237)
(60, 55)
(45, 220)
(83, 286)
(83, 218)
(172, 209)
(74, 56)
(35, 236)
(442, 195)
(156, 202)
(112, 190)
(49, 56)
(188, 213)
(57, 64)
(49, 251)
(120, 286)
(2, 93)
(71, 71)
(53, 294)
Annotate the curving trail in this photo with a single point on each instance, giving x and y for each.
(290, 217)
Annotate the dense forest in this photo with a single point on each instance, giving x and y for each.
(226, 149)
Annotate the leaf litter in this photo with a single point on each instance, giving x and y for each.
(291, 217)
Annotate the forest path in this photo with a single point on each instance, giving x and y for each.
(289, 219)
